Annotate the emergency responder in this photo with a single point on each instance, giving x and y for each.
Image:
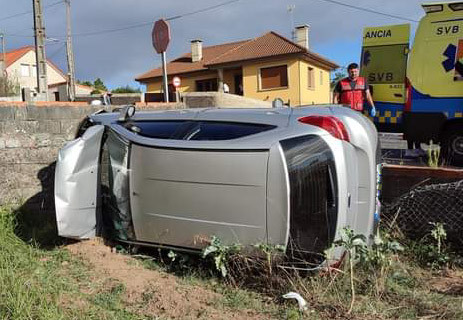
(353, 90)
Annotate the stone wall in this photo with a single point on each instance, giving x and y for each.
(116, 98)
(32, 133)
(30, 137)
(221, 100)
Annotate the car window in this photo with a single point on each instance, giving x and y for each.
(211, 130)
(313, 195)
(195, 130)
(164, 129)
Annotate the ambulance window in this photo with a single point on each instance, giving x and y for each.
(456, 6)
(433, 8)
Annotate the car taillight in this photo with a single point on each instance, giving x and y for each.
(329, 123)
(408, 95)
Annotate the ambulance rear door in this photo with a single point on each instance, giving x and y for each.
(384, 64)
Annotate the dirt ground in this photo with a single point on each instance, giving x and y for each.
(450, 283)
(159, 293)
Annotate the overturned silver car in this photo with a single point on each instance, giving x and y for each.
(292, 176)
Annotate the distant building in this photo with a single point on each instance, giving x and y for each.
(21, 67)
(267, 67)
(58, 91)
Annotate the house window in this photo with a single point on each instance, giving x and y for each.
(25, 70)
(206, 85)
(321, 78)
(34, 71)
(274, 77)
(311, 78)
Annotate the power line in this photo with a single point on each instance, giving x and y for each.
(18, 35)
(30, 11)
(202, 10)
(56, 51)
(142, 24)
(369, 10)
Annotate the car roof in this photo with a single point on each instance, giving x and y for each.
(284, 119)
(273, 116)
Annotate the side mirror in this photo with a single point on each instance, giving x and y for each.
(277, 103)
(125, 113)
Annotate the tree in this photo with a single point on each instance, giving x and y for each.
(337, 76)
(126, 89)
(85, 83)
(9, 87)
(99, 85)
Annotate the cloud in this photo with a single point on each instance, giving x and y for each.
(117, 57)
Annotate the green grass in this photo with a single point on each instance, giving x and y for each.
(36, 283)
(48, 284)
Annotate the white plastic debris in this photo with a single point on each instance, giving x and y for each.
(300, 300)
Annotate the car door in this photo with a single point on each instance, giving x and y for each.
(183, 197)
(185, 191)
(76, 184)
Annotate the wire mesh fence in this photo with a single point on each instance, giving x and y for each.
(414, 212)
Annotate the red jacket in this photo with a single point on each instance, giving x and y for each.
(353, 97)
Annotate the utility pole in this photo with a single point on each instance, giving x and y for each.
(70, 54)
(3, 66)
(39, 33)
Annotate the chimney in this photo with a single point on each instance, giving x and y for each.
(196, 50)
(302, 35)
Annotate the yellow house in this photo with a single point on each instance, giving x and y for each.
(265, 68)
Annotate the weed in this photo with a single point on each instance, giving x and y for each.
(439, 234)
(221, 254)
(172, 255)
(431, 251)
(433, 155)
(270, 251)
(356, 246)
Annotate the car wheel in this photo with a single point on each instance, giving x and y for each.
(452, 145)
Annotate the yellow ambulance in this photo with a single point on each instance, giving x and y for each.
(419, 91)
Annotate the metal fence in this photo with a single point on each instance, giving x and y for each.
(414, 212)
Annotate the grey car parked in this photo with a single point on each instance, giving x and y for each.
(291, 176)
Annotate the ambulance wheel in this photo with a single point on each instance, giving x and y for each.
(452, 145)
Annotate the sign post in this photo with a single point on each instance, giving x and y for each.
(176, 82)
(161, 39)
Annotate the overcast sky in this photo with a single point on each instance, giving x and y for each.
(117, 57)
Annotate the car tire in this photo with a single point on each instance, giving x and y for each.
(452, 145)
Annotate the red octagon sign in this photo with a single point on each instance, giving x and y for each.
(161, 35)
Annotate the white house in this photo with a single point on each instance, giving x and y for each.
(21, 67)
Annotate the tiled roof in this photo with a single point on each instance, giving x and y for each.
(14, 55)
(268, 45)
(184, 64)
